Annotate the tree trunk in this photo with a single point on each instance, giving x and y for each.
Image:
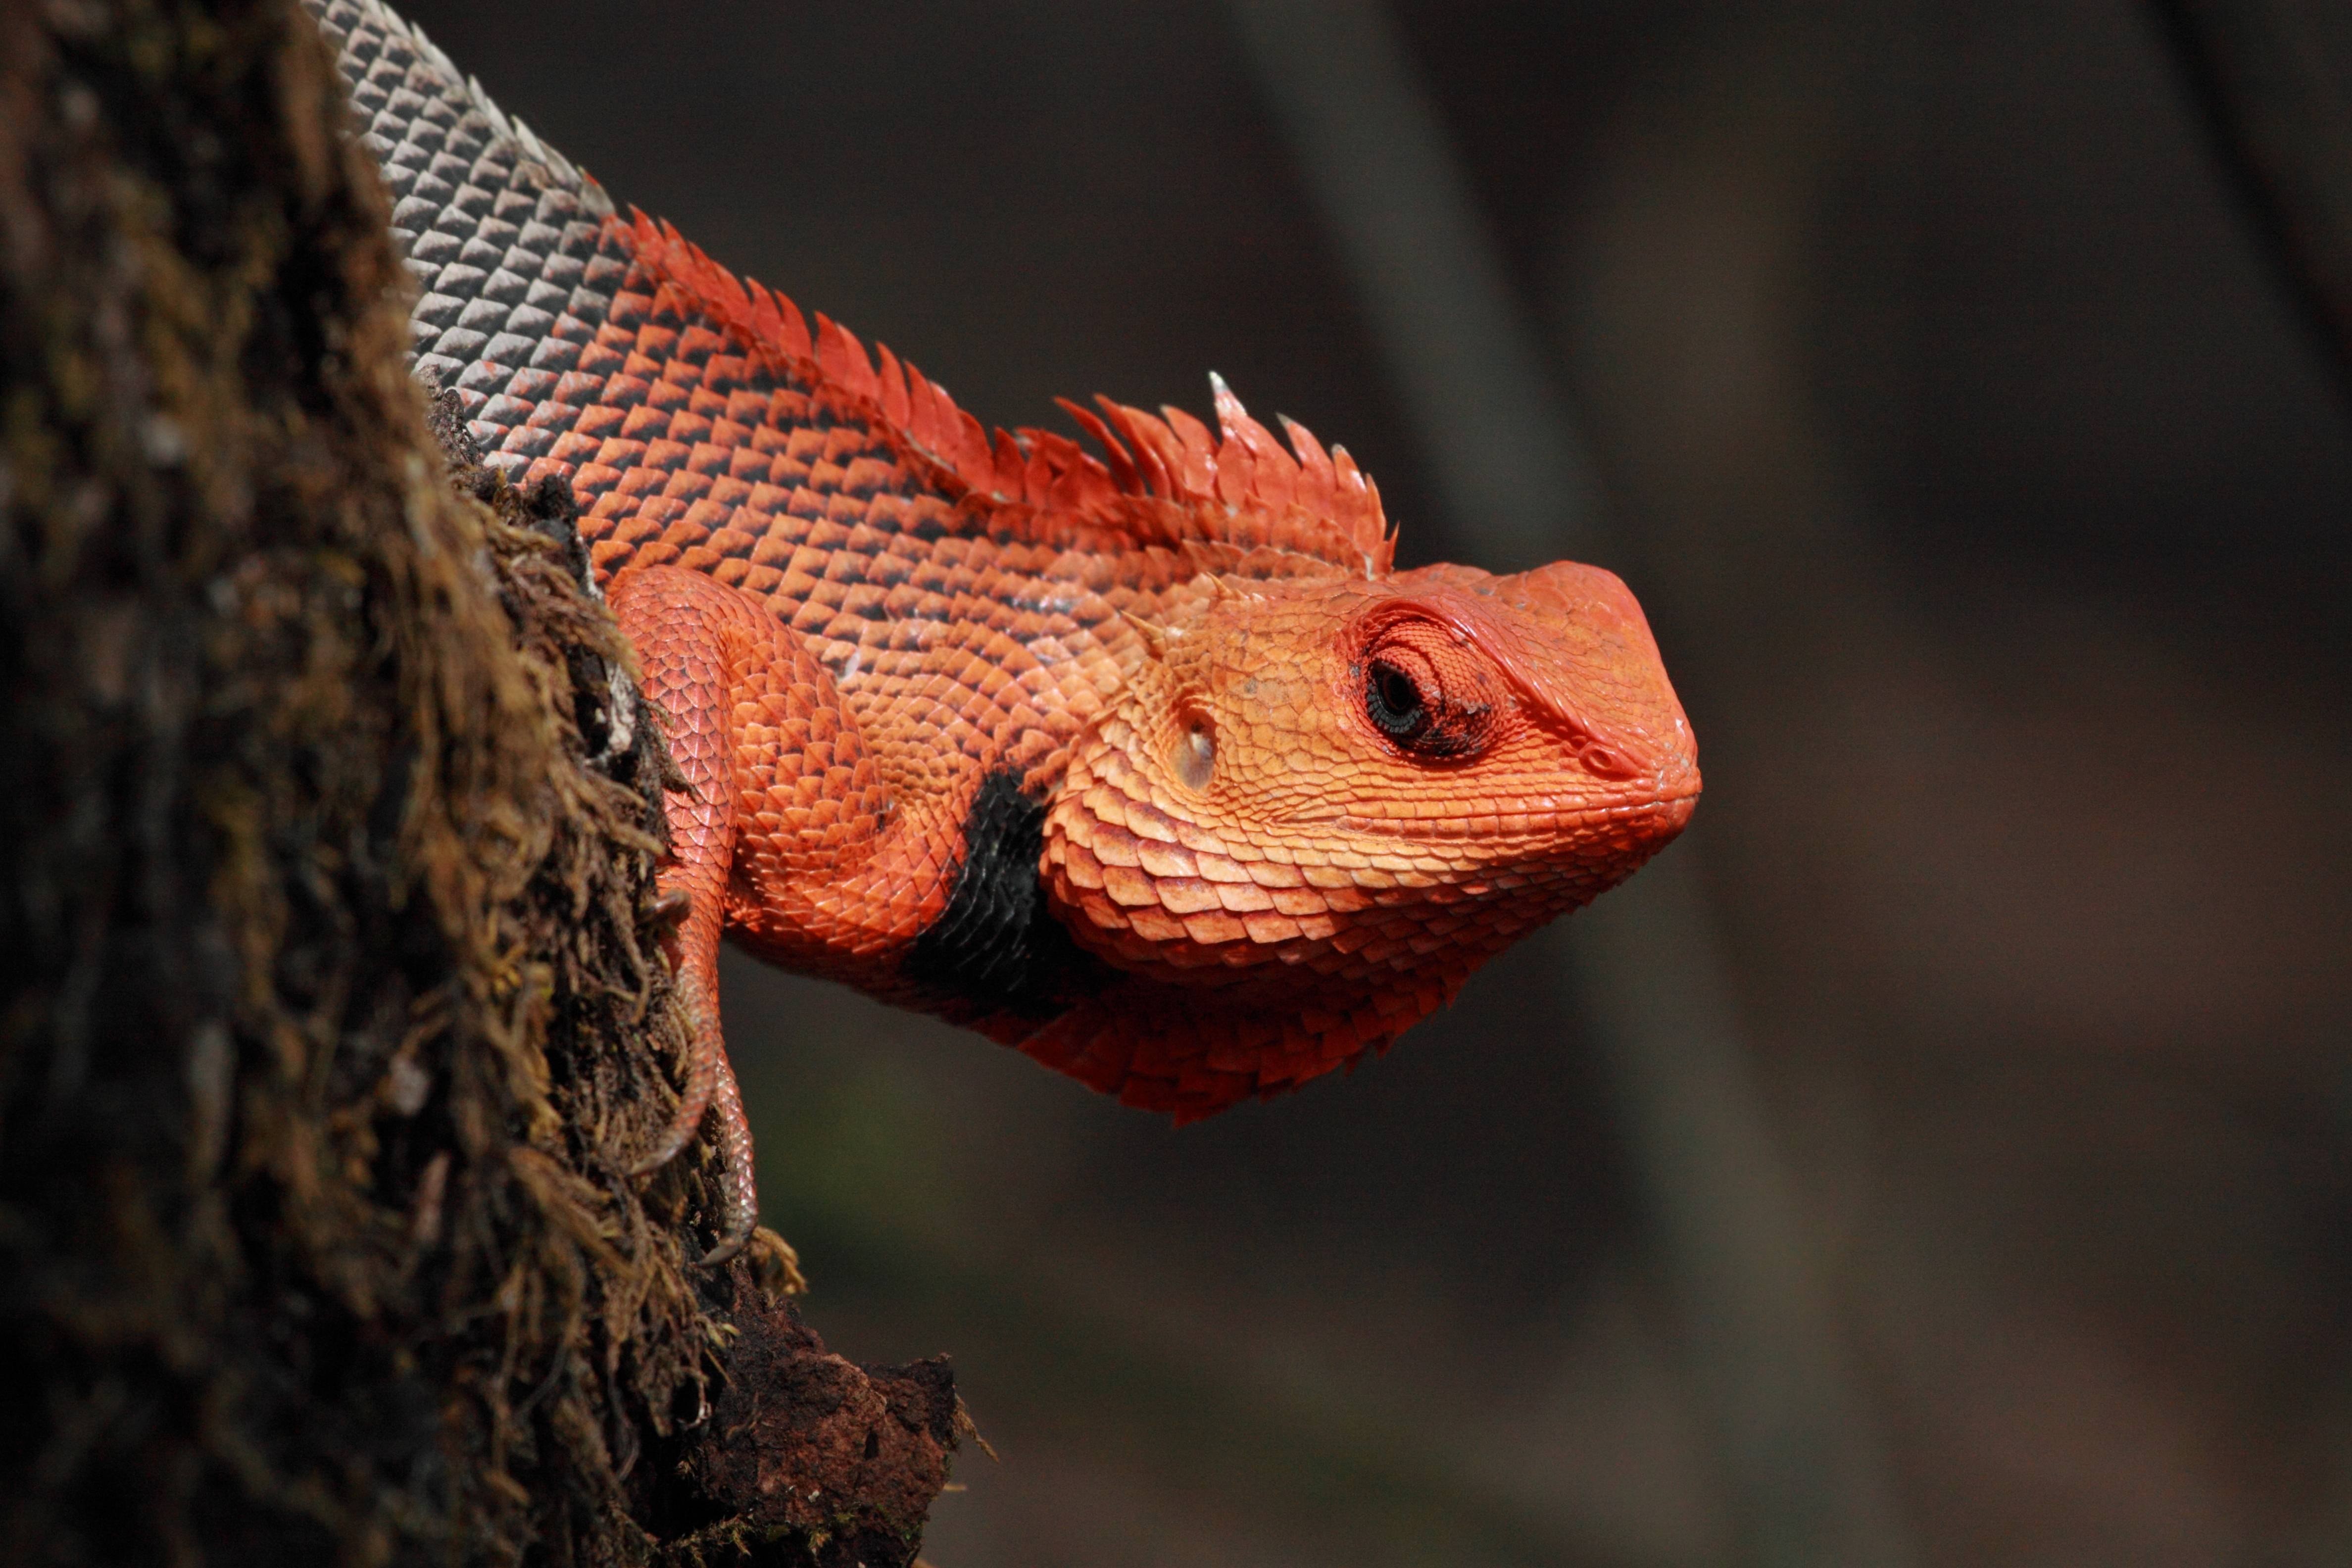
(336, 1014)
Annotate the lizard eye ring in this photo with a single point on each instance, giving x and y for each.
(1429, 694)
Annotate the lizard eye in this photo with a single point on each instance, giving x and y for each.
(1429, 694)
(1392, 701)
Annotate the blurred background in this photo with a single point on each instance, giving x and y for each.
(1947, 1163)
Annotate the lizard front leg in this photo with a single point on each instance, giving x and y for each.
(778, 774)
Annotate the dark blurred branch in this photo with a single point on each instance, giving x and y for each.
(1795, 1441)
(2273, 78)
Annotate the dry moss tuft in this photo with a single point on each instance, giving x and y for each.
(336, 1013)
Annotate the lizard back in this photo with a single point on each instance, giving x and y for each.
(965, 592)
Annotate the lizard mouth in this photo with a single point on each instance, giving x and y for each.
(1670, 808)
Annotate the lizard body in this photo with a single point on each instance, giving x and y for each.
(1147, 764)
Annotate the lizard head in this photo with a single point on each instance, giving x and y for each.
(1315, 807)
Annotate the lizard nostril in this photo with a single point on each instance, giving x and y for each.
(1196, 755)
(1604, 761)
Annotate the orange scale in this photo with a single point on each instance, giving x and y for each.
(1132, 890)
(600, 358)
(824, 539)
(696, 341)
(624, 391)
(1182, 895)
(603, 553)
(1148, 822)
(866, 540)
(730, 570)
(725, 537)
(1245, 897)
(1109, 928)
(885, 571)
(635, 528)
(1299, 901)
(646, 423)
(572, 447)
(599, 420)
(728, 494)
(1211, 927)
(847, 440)
(704, 516)
(666, 455)
(691, 488)
(903, 546)
(869, 475)
(641, 484)
(655, 553)
(619, 331)
(1080, 866)
(769, 549)
(768, 499)
(961, 552)
(541, 469)
(616, 454)
(681, 532)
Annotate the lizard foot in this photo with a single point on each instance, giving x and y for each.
(738, 1182)
(706, 1060)
(710, 1086)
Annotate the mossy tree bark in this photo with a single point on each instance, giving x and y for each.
(336, 1014)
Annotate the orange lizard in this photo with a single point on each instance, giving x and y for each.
(1147, 764)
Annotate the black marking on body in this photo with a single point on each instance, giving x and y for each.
(996, 944)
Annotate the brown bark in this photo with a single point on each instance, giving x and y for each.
(335, 1014)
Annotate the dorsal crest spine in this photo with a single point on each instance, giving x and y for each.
(1238, 486)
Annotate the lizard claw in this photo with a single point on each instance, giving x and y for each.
(724, 1253)
(666, 912)
(704, 1060)
(711, 1084)
(737, 1179)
